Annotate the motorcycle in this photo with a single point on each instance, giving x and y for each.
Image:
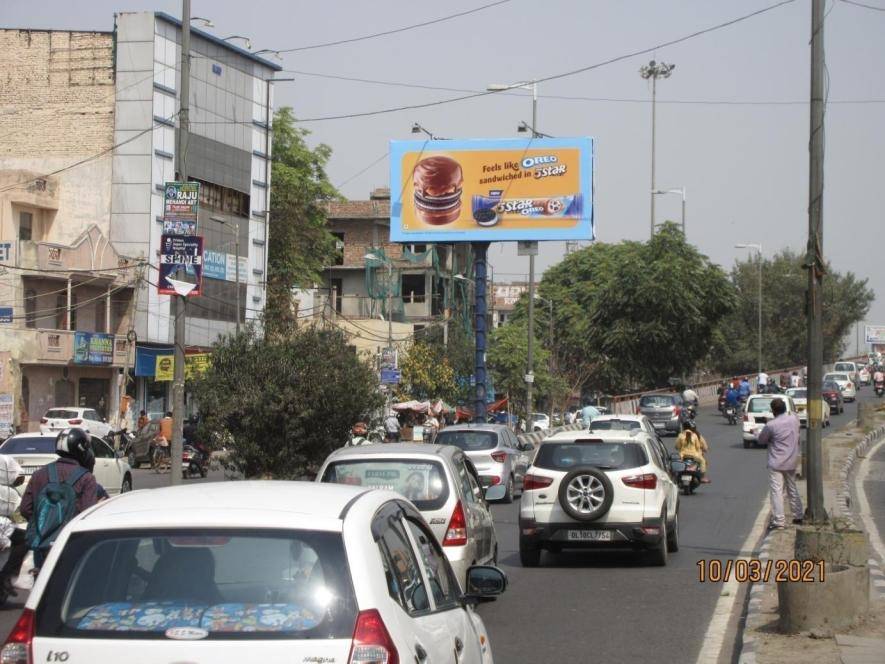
(687, 471)
(193, 463)
(731, 414)
(880, 389)
(689, 413)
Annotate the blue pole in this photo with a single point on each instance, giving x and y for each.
(479, 369)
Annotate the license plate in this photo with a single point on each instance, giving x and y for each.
(659, 425)
(686, 479)
(590, 535)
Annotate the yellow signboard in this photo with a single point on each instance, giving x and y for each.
(165, 368)
(194, 366)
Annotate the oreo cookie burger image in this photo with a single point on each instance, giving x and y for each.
(438, 182)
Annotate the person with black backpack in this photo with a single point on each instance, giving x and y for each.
(59, 491)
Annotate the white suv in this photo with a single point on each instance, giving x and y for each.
(57, 420)
(599, 490)
(757, 413)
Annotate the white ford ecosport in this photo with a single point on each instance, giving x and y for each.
(599, 490)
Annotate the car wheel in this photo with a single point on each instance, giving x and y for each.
(529, 556)
(657, 555)
(585, 493)
(127, 485)
(132, 459)
(673, 535)
(508, 494)
(746, 444)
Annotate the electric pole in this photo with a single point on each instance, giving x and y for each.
(814, 263)
(654, 70)
(179, 302)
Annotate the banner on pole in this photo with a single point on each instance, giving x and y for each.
(181, 257)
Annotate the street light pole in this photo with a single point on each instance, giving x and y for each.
(654, 70)
(681, 192)
(758, 249)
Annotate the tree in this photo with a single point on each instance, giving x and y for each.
(458, 351)
(300, 244)
(285, 402)
(427, 374)
(846, 300)
(507, 360)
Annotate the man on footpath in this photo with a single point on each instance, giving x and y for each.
(782, 437)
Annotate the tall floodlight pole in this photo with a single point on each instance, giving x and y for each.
(179, 302)
(757, 248)
(814, 262)
(530, 374)
(654, 70)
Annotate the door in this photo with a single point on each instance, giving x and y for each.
(474, 511)
(93, 394)
(64, 393)
(107, 467)
(456, 639)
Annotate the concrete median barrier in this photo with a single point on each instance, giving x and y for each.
(834, 603)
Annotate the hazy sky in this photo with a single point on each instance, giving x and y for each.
(745, 166)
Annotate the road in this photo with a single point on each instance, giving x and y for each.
(611, 607)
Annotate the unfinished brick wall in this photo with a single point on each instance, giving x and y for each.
(56, 92)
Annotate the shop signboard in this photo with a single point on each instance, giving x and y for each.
(5, 315)
(6, 252)
(93, 348)
(165, 368)
(182, 202)
(214, 264)
(231, 268)
(195, 365)
(492, 190)
(875, 334)
(181, 256)
(7, 427)
(390, 376)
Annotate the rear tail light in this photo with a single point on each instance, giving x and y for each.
(371, 641)
(456, 533)
(499, 457)
(646, 481)
(17, 649)
(494, 480)
(77, 421)
(43, 420)
(677, 411)
(746, 418)
(531, 482)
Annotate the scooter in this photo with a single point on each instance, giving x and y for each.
(880, 389)
(193, 463)
(731, 414)
(687, 471)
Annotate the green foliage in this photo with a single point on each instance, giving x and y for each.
(300, 244)
(284, 402)
(507, 360)
(458, 353)
(427, 374)
(846, 300)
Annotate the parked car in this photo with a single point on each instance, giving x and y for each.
(141, 446)
(757, 413)
(846, 384)
(495, 452)
(209, 574)
(57, 420)
(800, 399)
(440, 482)
(599, 490)
(35, 450)
(663, 411)
(849, 368)
(540, 422)
(832, 394)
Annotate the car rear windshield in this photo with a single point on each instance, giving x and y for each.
(836, 377)
(798, 394)
(614, 425)
(234, 584)
(421, 481)
(468, 440)
(843, 366)
(760, 405)
(657, 401)
(59, 414)
(608, 456)
(830, 386)
(28, 445)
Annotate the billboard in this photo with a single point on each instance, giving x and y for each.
(181, 202)
(93, 348)
(180, 255)
(874, 334)
(492, 190)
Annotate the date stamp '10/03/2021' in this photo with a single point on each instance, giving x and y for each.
(761, 571)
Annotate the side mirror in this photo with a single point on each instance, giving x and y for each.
(496, 492)
(485, 581)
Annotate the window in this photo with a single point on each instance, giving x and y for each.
(404, 581)
(439, 574)
(616, 425)
(413, 288)
(464, 479)
(339, 249)
(609, 456)
(30, 308)
(91, 415)
(468, 440)
(101, 450)
(222, 198)
(422, 482)
(28, 445)
(25, 225)
(235, 584)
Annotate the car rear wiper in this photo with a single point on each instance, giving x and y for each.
(596, 465)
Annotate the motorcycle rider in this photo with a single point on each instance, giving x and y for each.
(878, 379)
(359, 435)
(11, 476)
(690, 397)
(692, 444)
(744, 388)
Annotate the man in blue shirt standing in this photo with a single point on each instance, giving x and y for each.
(588, 412)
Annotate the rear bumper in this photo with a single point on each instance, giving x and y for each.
(623, 535)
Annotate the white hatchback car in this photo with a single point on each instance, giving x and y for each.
(845, 383)
(757, 413)
(34, 450)
(57, 420)
(599, 490)
(271, 572)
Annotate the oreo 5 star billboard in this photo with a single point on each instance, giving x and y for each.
(492, 190)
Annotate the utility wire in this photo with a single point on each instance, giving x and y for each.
(865, 6)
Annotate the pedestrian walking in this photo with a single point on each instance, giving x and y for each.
(794, 379)
(781, 435)
(392, 428)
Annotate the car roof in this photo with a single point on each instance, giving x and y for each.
(394, 449)
(250, 503)
(479, 426)
(32, 434)
(615, 416)
(608, 436)
(69, 408)
(661, 394)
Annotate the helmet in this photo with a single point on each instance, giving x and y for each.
(690, 425)
(74, 444)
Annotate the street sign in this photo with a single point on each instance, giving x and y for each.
(181, 256)
(388, 358)
(526, 248)
(875, 334)
(179, 227)
(181, 202)
(390, 376)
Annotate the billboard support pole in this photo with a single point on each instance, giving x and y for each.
(480, 251)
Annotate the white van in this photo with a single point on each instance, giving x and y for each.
(847, 367)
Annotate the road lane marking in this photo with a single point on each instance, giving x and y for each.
(863, 504)
(717, 630)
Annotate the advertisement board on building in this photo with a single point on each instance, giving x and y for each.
(181, 201)
(231, 271)
(164, 370)
(179, 227)
(6, 252)
(875, 334)
(7, 424)
(391, 376)
(492, 190)
(181, 257)
(5, 315)
(93, 348)
(195, 365)
(214, 264)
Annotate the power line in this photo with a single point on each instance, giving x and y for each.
(865, 6)
(363, 170)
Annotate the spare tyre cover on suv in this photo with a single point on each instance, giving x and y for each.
(586, 493)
